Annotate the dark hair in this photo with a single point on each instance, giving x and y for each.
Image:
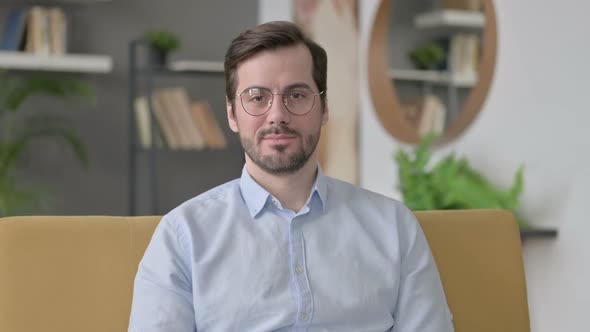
(270, 36)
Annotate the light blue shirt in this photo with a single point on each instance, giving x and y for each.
(233, 259)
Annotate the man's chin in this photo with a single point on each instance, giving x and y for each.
(277, 161)
(280, 164)
(276, 150)
(283, 169)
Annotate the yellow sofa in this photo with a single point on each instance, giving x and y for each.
(72, 274)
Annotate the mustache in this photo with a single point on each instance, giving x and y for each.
(277, 130)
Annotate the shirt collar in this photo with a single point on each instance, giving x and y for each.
(256, 196)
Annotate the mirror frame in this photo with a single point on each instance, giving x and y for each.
(385, 99)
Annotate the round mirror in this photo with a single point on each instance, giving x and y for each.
(431, 65)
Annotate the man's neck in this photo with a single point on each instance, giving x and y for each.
(292, 190)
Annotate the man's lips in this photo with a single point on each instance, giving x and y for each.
(280, 135)
(278, 139)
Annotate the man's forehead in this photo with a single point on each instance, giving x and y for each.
(288, 55)
(277, 68)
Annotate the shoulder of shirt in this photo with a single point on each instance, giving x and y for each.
(386, 209)
(217, 196)
(350, 191)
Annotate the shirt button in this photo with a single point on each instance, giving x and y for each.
(299, 269)
(304, 317)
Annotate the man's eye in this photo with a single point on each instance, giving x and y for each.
(297, 95)
(257, 98)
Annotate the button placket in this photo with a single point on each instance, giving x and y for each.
(305, 305)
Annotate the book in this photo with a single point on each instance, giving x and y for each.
(46, 31)
(438, 121)
(14, 34)
(57, 31)
(167, 124)
(37, 40)
(462, 56)
(219, 137)
(143, 123)
(432, 116)
(204, 118)
(179, 103)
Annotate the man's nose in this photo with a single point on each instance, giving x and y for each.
(278, 113)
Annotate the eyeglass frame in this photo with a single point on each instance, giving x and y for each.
(314, 94)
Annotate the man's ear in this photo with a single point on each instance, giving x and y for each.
(231, 116)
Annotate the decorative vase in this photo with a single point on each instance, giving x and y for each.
(158, 58)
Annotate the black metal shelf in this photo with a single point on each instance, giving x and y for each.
(535, 233)
(147, 73)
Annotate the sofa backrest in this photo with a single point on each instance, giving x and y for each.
(66, 274)
(479, 257)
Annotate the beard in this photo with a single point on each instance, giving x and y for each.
(281, 162)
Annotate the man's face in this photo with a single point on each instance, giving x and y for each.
(278, 142)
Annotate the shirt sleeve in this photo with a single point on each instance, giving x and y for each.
(421, 304)
(162, 294)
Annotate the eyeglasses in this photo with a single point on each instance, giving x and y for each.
(297, 100)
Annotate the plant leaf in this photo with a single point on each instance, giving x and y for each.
(14, 201)
(37, 127)
(18, 90)
(451, 183)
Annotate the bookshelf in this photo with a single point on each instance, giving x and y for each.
(433, 77)
(457, 74)
(34, 37)
(142, 85)
(52, 2)
(450, 18)
(196, 66)
(80, 63)
(397, 88)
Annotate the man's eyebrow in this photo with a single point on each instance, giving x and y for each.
(290, 86)
(297, 85)
(256, 87)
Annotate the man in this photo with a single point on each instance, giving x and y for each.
(285, 248)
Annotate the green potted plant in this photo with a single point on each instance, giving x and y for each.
(162, 43)
(18, 131)
(451, 183)
(427, 56)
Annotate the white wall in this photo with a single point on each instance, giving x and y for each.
(537, 114)
(271, 10)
